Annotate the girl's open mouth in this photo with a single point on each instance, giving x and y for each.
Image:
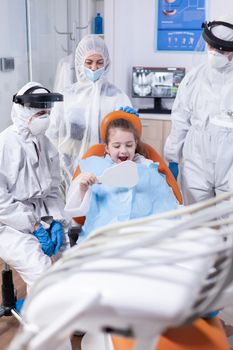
(123, 159)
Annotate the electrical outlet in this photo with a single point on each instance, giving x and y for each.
(7, 64)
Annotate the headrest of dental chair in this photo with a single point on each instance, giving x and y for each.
(132, 118)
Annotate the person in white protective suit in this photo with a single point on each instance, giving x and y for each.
(198, 137)
(32, 221)
(74, 125)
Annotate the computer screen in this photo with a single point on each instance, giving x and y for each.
(157, 83)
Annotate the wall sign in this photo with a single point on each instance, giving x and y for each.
(179, 24)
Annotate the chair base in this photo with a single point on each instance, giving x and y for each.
(8, 293)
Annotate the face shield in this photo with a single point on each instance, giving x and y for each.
(218, 35)
(39, 100)
(31, 108)
(217, 38)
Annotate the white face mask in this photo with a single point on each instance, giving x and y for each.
(39, 125)
(217, 60)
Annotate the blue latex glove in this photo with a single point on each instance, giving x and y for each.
(174, 169)
(56, 234)
(129, 110)
(45, 241)
(19, 304)
(211, 314)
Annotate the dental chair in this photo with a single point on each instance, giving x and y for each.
(99, 151)
(154, 289)
(89, 302)
(205, 334)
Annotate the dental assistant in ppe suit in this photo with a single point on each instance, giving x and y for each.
(198, 138)
(74, 125)
(32, 221)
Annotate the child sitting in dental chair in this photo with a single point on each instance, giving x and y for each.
(102, 204)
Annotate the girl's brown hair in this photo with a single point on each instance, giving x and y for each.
(124, 124)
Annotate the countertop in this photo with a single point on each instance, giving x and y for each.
(155, 116)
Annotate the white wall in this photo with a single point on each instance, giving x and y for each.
(13, 44)
(130, 36)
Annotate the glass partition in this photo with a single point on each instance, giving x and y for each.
(37, 37)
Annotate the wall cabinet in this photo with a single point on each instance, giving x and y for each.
(155, 132)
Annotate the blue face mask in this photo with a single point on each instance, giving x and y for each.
(93, 75)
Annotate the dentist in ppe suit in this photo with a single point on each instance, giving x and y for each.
(74, 124)
(32, 221)
(198, 137)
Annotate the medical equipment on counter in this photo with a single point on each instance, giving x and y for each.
(136, 278)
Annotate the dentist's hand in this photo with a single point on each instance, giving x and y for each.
(45, 241)
(174, 169)
(57, 234)
(129, 110)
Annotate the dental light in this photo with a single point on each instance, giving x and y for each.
(136, 278)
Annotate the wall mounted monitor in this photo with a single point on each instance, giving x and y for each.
(157, 83)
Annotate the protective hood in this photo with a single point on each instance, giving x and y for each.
(89, 45)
